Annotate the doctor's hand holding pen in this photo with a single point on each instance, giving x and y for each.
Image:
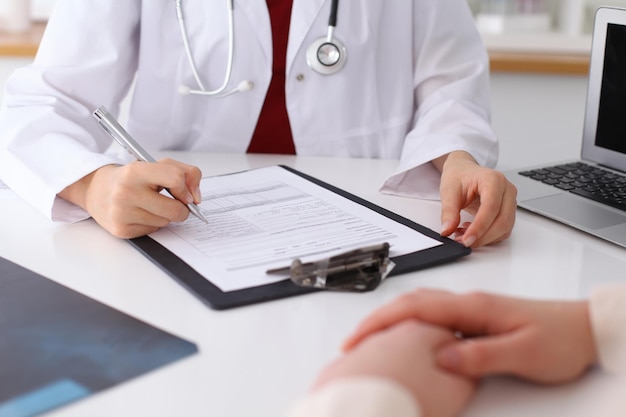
(428, 95)
(126, 200)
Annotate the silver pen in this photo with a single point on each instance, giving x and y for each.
(121, 136)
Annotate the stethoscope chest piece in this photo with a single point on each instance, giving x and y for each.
(326, 57)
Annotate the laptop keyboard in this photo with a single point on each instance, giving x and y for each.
(585, 180)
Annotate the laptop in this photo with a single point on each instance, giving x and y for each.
(590, 194)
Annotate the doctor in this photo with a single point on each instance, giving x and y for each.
(401, 80)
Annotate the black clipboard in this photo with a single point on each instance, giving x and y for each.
(217, 299)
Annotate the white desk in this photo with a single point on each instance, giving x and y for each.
(254, 361)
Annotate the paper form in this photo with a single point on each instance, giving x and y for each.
(265, 218)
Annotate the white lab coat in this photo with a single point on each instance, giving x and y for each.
(414, 87)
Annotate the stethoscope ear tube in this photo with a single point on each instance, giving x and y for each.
(245, 85)
(220, 91)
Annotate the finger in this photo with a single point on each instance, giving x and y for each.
(427, 305)
(130, 231)
(154, 176)
(474, 313)
(159, 210)
(400, 309)
(127, 222)
(494, 218)
(460, 232)
(170, 177)
(475, 358)
(192, 177)
(135, 201)
(490, 238)
(452, 202)
(488, 210)
(168, 174)
(138, 193)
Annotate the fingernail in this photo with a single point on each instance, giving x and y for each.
(469, 241)
(197, 194)
(449, 358)
(445, 226)
(189, 198)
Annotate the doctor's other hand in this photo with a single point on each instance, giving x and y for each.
(405, 354)
(542, 341)
(126, 200)
(483, 192)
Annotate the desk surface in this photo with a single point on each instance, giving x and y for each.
(254, 361)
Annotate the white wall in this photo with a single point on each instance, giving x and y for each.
(41, 9)
(538, 118)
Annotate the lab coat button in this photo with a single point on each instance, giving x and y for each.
(300, 77)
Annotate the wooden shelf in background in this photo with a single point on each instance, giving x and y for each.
(21, 44)
(575, 64)
(26, 45)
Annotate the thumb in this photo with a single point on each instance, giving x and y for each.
(483, 356)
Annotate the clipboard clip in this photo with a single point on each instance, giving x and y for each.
(358, 270)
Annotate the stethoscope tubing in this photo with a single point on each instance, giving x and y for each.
(231, 49)
(313, 59)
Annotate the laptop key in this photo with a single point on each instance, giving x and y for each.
(586, 181)
(598, 198)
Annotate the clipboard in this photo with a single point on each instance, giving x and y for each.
(217, 299)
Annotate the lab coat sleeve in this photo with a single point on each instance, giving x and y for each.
(362, 397)
(452, 94)
(48, 139)
(607, 307)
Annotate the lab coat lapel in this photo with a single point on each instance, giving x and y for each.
(303, 15)
(257, 16)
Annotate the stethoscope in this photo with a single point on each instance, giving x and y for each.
(326, 55)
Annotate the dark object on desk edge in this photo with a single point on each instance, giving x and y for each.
(219, 300)
(59, 346)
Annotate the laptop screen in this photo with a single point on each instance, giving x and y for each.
(611, 129)
(604, 129)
